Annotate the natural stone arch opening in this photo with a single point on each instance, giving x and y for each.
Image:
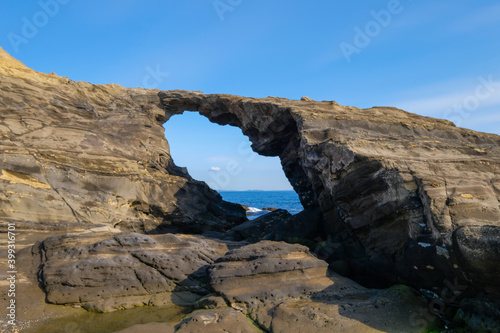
(221, 156)
(272, 130)
(326, 175)
(376, 207)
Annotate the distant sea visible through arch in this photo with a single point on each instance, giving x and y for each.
(257, 200)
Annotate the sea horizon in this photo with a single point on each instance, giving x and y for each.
(257, 200)
(255, 191)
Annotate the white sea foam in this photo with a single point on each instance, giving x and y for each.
(253, 210)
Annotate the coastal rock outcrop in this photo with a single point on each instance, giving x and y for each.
(109, 272)
(279, 284)
(73, 153)
(392, 187)
(389, 198)
(262, 286)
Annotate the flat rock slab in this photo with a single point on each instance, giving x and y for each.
(109, 272)
(203, 321)
(216, 321)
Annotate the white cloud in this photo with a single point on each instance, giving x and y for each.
(436, 105)
(215, 168)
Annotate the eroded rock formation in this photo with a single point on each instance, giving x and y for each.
(389, 197)
(75, 153)
(394, 189)
(105, 273)
(267, 285)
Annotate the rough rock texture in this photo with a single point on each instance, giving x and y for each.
(267, 285)
(211, 302)
(389, 197)
(259, 228)
(279, 225)
(477, 248)
(284, 288)
(240, 271)
(105, 272)
(393, 187)
(73, 153)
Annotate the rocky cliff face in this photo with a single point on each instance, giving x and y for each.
(73, 153)
(389, 196)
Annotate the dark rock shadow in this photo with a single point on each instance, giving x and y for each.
(394, 310)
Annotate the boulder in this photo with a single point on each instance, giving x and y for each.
(477, 249)
(255, 273)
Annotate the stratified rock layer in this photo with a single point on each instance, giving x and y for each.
(394, 197)
(267, 285)
(75, 153)
(283, 288)
(392, 187)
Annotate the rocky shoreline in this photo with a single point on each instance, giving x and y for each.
(404, 207)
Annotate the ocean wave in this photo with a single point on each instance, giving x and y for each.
(253, 210)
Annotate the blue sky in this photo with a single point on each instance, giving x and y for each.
(433, 58)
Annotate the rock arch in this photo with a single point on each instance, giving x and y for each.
(388, 184)
(272, 129)
(398, 197)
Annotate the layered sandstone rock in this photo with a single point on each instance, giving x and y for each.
(393, 187)
(75, 153)
(262, 286)
(282, 285)
(389, 196)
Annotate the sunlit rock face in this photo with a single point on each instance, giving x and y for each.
(393, 196)
(395, 189)
(75, 154)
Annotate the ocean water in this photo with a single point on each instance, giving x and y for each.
(256, 200)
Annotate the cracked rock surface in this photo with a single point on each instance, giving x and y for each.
(105, 272)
